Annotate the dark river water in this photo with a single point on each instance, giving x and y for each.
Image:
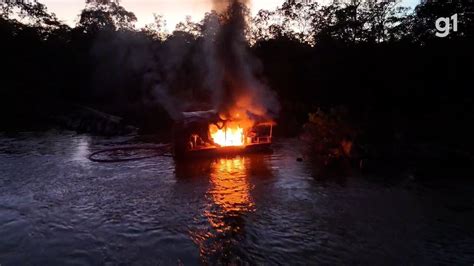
(59, 208)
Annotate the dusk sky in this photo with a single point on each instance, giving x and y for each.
(174, 11)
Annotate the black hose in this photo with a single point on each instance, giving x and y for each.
(164, 150)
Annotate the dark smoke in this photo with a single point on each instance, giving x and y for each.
(232, 70)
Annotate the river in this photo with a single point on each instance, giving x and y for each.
(59, 208)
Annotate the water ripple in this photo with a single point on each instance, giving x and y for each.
(57, 207)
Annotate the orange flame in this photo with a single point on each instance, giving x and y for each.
(232, 132)
(227, 136)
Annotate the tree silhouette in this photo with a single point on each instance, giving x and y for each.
(105, 15)
(376, 60)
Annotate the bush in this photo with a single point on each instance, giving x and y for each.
(330, 133)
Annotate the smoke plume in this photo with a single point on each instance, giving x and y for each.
(232, 75)
(232, 70)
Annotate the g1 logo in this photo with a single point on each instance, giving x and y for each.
(443, 25)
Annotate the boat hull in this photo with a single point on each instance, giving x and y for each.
(224, 151)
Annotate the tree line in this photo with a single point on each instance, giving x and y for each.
(380, 61)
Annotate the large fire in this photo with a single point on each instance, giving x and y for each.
(228, 135)
(206, 131)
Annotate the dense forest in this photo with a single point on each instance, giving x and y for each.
(375, 72)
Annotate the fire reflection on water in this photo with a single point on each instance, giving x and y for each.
(229, 186)
(229, 200)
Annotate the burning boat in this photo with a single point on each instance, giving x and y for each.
(206, 133)
(242, 103)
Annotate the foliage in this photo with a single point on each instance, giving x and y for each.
(105, 14)
(381, 63)
(156, 30)
(327, 132)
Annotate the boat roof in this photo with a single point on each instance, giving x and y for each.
(199, 116)
(213, 115)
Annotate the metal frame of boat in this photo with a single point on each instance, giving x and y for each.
(197, 124)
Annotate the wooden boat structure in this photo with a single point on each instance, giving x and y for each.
(192, 138)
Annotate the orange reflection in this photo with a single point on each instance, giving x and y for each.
(229, 186)
(229, 200)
